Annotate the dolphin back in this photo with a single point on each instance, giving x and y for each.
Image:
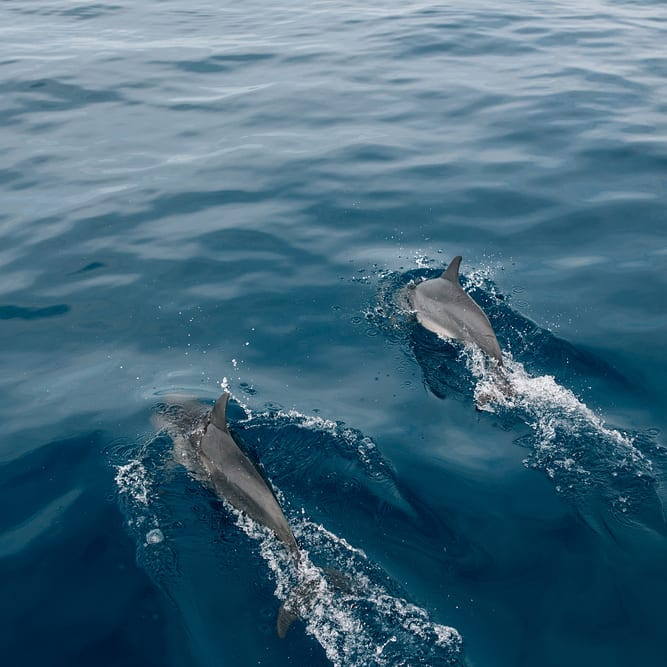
(444, 307)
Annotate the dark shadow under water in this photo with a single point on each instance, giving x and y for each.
(73, 593)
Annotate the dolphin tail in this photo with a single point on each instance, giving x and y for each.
(300, 600)
(303, 598)
(286, 616)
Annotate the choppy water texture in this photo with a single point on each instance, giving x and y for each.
(199, 194)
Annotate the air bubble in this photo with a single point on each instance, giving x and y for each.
(154, 536)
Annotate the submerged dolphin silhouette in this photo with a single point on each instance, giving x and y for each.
(442, 306)
(213, 457)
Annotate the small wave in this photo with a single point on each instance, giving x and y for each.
(348, 441)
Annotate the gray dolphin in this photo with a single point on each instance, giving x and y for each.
(442, 306)
(212, 456)
(233, 477)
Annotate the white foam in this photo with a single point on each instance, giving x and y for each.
(481, 278)
(341, 541)
(569, 438)
(570, 442)
(131, 479)
(422, 261)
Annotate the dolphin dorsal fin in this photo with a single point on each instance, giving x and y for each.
(452, 272)
(219, 413)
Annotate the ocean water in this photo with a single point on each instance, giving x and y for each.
(208, 195)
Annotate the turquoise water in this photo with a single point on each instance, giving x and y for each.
(203, 195)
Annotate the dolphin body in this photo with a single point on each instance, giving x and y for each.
(443, 307)
(213, 457)
(233, 477)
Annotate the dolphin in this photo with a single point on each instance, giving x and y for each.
(442, 306)
(233, 477)
(212, 456)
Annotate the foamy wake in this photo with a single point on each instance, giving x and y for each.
(570, 442)
(362, 625)
(134, 487)
(366, 625)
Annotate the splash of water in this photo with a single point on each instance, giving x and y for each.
(570, 442)
(131, 480)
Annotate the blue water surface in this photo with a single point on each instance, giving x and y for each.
(205, 195)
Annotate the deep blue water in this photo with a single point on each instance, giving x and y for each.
(201, 194)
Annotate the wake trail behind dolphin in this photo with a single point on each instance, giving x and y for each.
(570, 442)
